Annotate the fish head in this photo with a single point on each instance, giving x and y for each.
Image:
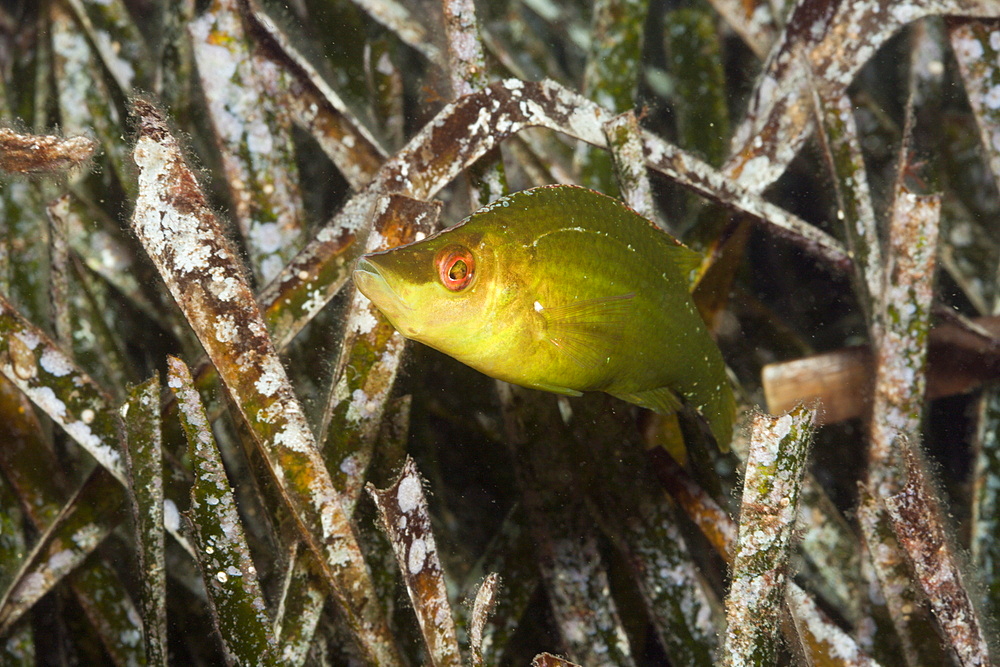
(445, 291)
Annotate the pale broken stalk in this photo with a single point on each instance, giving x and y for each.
(33, 153)
(189, 249)
(509, 558)
(482, 608)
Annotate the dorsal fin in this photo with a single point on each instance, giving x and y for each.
(687, 261)
(544, 210)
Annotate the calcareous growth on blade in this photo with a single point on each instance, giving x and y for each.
(563, 289)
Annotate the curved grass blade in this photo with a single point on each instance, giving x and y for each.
(81, 525)
(122, 48)
(313, 104)
(142, 436)
(482, 608)
(36, 365)
(253, 136)
(405, 517)
(85, 101)
(778, 121)
(299, 611)
(228, 571)
(189, 248)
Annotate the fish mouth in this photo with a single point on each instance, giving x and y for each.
(372, 282)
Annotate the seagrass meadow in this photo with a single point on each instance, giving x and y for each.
(214, 450)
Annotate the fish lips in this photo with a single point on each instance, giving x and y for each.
(373, 282)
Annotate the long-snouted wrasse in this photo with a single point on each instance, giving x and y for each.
(563, 289)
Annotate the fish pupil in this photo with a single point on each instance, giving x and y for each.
(459, 269)
(456, 267)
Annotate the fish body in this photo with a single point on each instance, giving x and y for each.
(563, 289)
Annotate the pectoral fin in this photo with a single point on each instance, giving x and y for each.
(565, 391)
(587, 331)
(661, 400)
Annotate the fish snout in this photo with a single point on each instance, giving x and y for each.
(367, 278)
(377, 286)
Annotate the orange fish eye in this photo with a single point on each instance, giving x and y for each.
(456, 267)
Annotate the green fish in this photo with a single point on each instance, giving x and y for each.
(563, 289)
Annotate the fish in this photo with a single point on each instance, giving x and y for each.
(563, 289)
